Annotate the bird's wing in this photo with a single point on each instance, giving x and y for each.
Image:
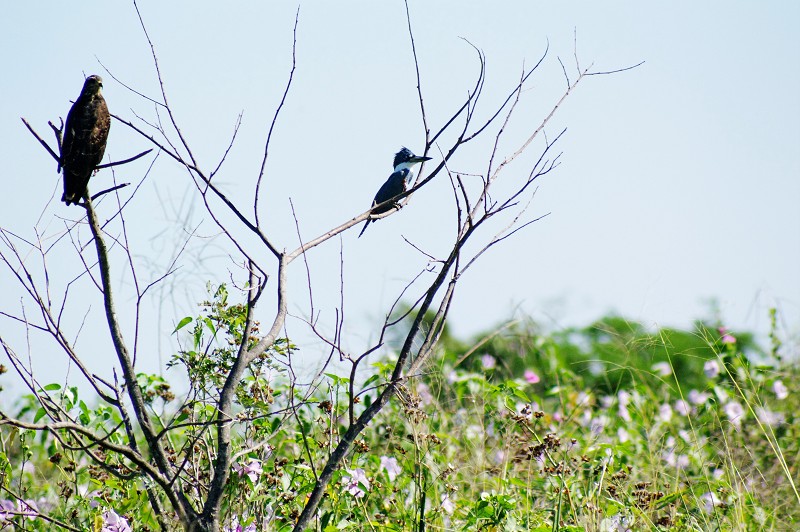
(392, 187)
(68, 141)
(84, 144)
(99, 132)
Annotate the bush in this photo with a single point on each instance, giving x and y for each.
(670, 430)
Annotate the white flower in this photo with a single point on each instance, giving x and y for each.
(780, 390)
(710, 500)
(598, 425)
(606, 401)
(698, 398)
(768, 417)
(447, 504)
(583, 399)
(473, 432)
(711, 369)
(682, 407)
(616, 523)
(662, 369)
(424, 393)
(391, 466)
(665, 413)
(734, 411)
(114, 523)
(624, 398)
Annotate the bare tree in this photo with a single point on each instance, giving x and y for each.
(140, 442)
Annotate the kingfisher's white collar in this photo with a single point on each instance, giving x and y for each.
(405, 166)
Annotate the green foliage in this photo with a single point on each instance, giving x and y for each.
(608, 427)
(609, 355)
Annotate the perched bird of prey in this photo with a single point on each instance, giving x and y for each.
(84, 140)
(396, 184)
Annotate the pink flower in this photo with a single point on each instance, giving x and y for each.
(665, 413)
(356, 484)
(114, 523)
(253, 470)
(27, 508)
(726, 337)
(7, 510)
(236, 527)
(488, 361)
(391, 466)
(531, 377)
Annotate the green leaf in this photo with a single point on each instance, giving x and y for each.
(183, 323)
(337, 380)
(522, 395)
(372, 379)
(52, 387)
(39, 415)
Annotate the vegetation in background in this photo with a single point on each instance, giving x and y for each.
(608, 427)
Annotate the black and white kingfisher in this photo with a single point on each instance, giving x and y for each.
(404, 160)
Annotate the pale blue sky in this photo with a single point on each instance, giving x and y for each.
(679, 183)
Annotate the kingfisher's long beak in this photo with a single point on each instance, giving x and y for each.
(419, 159)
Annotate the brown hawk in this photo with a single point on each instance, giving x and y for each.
(85, 139)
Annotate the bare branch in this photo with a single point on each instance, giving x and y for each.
(606, 72)
(124, 161)
(42, 142)
(275, 118)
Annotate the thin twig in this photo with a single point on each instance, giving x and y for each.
(275, 118)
